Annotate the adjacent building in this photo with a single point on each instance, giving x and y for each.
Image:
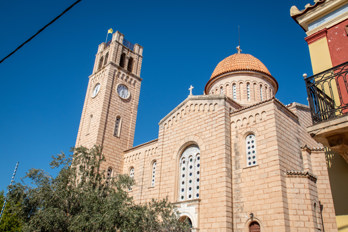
(326, 26)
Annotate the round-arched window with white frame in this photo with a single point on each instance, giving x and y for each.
(153, 178)
(250, 148)
(189, 174)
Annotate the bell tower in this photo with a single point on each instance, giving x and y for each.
(111, 103)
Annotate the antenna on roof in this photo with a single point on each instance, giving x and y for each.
(238, 47)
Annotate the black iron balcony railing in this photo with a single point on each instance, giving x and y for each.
(328, 93)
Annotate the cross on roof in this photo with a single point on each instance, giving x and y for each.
(191, 88)
(239, 49)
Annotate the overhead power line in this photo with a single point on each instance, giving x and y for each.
(39, 31)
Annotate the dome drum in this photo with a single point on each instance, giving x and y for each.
(243, 78)
(243, 87)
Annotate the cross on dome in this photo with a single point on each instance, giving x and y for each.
(239, 49)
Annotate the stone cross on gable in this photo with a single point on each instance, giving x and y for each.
(191, 88)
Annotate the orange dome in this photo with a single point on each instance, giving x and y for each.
(239, 62)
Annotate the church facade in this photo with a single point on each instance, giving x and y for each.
(233, 159)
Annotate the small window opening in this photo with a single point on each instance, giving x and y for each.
(261, 94)
(106, 58)
(248, 91)
(108, 174)
(131, 175)
(117, 130)
(153, 173)
(123, 60)
(89, 123)
(100, 63)
(234, 91)
(250, 148)
(130, 64)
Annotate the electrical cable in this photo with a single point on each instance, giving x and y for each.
(39, 31)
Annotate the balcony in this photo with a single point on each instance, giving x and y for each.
(328, 100)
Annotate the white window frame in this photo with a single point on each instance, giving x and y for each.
(189, 174)
(131, 175)
(248, 91)
(234, 91)
(153, 173)
(261, 94)
(250, 150)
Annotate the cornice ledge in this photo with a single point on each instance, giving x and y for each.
(302, 174)
(193, 98)
(140, 145)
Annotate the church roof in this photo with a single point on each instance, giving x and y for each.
(239, 62)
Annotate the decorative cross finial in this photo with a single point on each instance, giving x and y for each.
(191, 88)
(238, 49)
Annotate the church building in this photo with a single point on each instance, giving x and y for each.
(232, 159)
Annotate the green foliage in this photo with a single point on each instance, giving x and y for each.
(10, 220)
(82, 198)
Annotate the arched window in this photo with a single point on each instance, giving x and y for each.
(89, 123)
(248, 91)
(154, 163)
(118, 123)
(108, 174)
(131, 175)
(130, 64)
(266, 92)
(123, 60)
(186, 219)
(100, 63)
(250, 147)
(261, 94)
(254, 227)
(106, 58)
(189, 174)
(234, 91)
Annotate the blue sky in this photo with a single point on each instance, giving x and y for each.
(44, 84)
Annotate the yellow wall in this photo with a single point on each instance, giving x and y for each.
(320, 55)
(338, 174)
(342, 223)
(321, 61)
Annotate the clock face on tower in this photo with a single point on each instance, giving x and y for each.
(122, 91)
(96, 90)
